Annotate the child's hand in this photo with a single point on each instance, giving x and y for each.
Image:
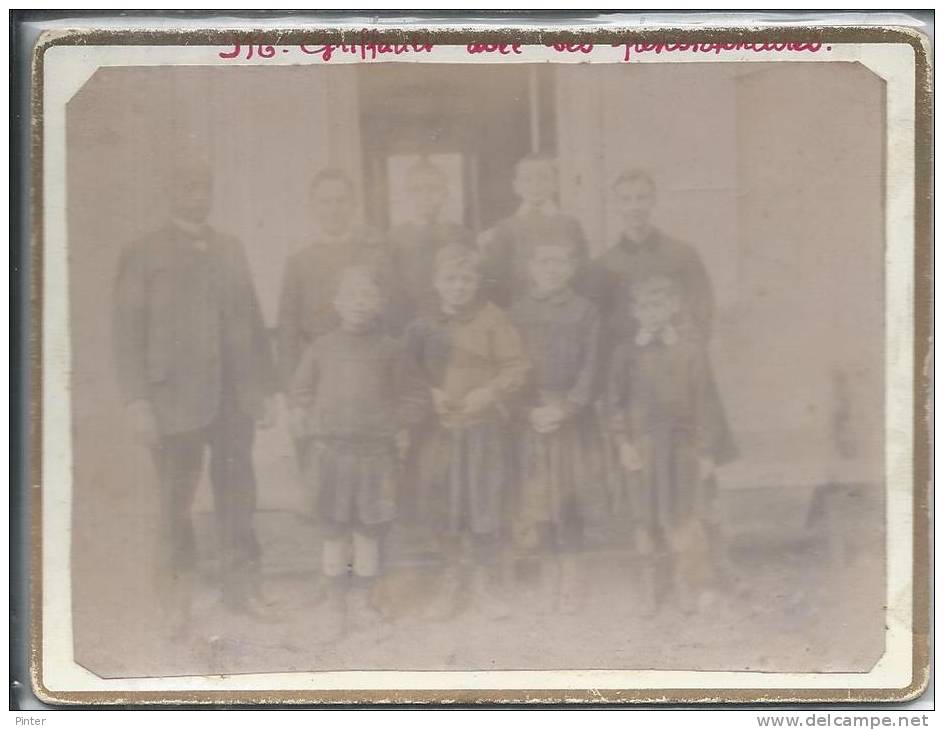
(546, 419)
(403, 444)
(536, 419)
(645, 545)
(525, 535)
(485, 239)
(270, 413)
(441, 403)
(477, 401)
(706, 468)
(553, 417)
(297, 422)
(629, 457)
(143, 422)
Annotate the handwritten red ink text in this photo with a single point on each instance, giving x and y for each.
(250, 51)
(364, 51)
(367, 49)
(503, 49)
(715, 48)
(571, 47)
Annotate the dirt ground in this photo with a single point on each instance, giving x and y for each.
(792, 605)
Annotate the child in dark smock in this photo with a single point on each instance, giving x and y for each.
(561, 332)
(472, 359)
(663, 419)
(349, 396)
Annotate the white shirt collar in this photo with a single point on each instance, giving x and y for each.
(668, 335)
(647, 234)
(198, 233)
(548, 207)
(190, 228)
(325, 237)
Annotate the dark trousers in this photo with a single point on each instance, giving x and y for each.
(179, 460)
(302, 447)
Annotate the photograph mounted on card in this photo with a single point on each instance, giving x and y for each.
(498, 368)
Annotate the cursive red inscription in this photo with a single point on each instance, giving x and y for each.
(502, 49)
(366, 51)
(571, 47)
(251, 50)
(715, 48)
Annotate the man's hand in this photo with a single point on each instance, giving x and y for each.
(629, 457)
(441, 403)
(297, 422)
(270, 413)
(143, 422)
(477, 400)
(403, 444)
(706, 468)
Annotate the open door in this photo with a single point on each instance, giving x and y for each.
(474, 121)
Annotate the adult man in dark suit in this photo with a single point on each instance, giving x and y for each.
(196, 373)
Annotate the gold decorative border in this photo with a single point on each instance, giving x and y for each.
(923, 300)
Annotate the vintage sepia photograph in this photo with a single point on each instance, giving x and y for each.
(478, 366)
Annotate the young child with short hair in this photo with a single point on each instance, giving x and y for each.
(336, 242)
(561, 333)
(472, 360)
(506, 248)
(663, 420)
(351, 396)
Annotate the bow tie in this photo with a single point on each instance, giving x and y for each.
(668, 335)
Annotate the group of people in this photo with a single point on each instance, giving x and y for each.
(474, 386)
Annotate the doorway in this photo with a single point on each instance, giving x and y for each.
(475, 122)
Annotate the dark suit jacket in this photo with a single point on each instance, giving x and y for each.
(185, 320)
